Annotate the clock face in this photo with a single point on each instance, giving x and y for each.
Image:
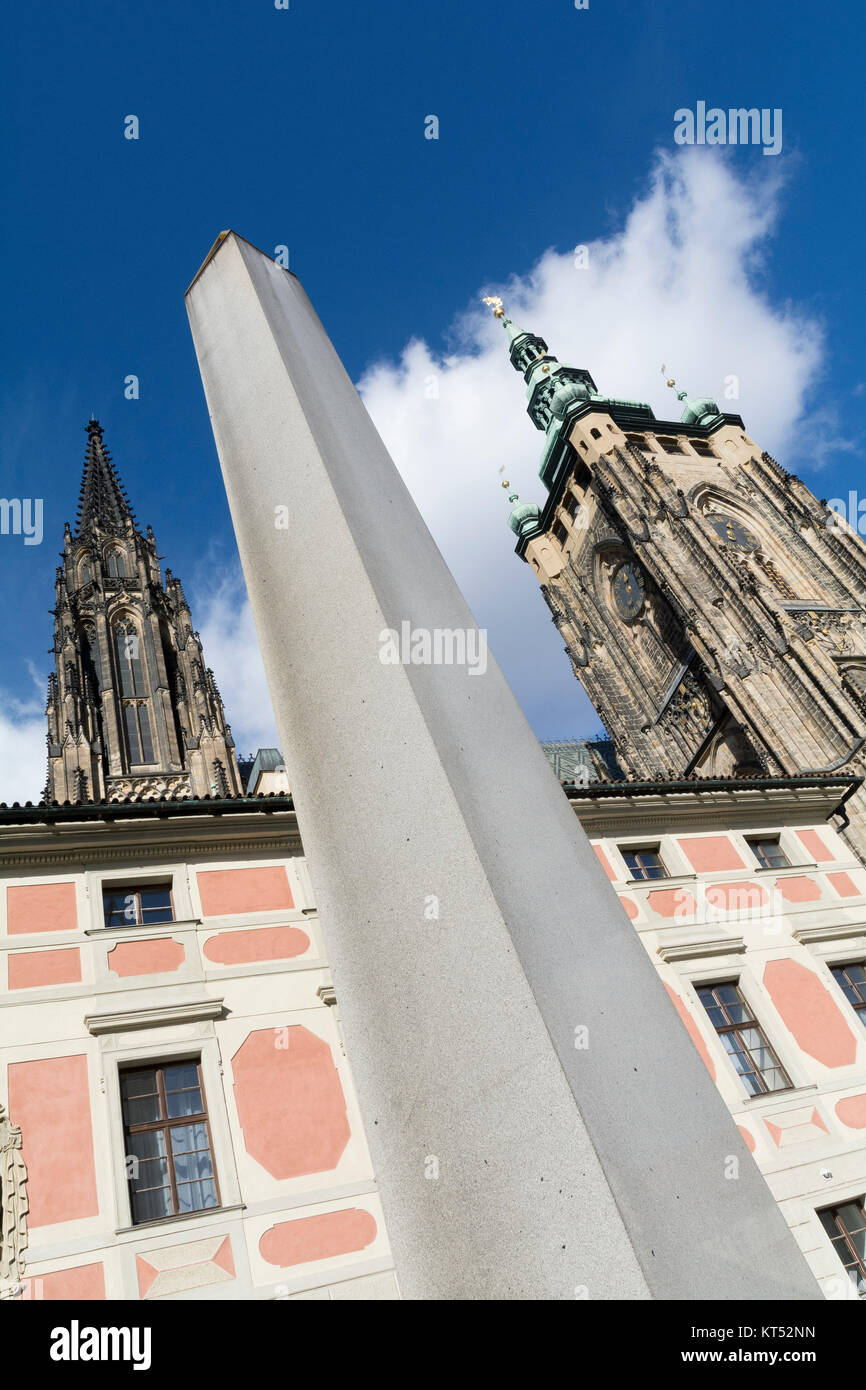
(734, 533)
(629, 590)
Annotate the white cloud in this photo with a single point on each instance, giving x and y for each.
(231, 649)
(679, 284)
(23, 751)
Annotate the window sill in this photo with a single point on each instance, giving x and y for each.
(144, 930)
(167, 1222)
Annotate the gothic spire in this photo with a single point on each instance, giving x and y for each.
(103, 502)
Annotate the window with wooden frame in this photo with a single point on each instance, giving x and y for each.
(743, 1039)
(851, 979)
(769, 853)
(169, 1154)
(845, 1224)
(137, 905)
(644, 863)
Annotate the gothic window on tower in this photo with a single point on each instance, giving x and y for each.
(644, 863)
(670, 445)
(137, 905)
(743, 1039)
(639, 441)
(560, 533)
(133, 690)
(704, 448)
(169, 1154)
(85, 574)
(114, 565)
(769, 853)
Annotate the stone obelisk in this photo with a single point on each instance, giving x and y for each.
(540, 1122)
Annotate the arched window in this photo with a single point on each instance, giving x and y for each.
(133, 689)
(127, 645)
(114, 565)
(85, 574)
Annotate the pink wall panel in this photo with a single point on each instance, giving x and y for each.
(262, 943)
(32, 969)
(844, 885)
(672, 902)
(604, 861)
(711, 853)
(737, 897)
(82, 1284)
(810, 1013)
(243, 890)
(816, 847)
(852, 1111)
(799, 889)
(317, 1237)
(50, 1100)
(290, 1102)
(157, 956)
(693, 1030)
(36, 907)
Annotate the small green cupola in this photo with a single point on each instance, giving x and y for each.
(700, 411)
(553, 388)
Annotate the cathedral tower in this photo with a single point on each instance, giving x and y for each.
(712, 608)
(132, 709)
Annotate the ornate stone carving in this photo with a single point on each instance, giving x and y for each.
(13, 1208)
(149, 788)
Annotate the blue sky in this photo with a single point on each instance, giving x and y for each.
(305, 128)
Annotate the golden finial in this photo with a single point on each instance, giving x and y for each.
(506, 484)
(495, 303)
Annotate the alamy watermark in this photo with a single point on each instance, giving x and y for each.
(438, 646)
(22, 516)
(737, 126)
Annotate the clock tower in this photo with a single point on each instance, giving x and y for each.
(712, 608)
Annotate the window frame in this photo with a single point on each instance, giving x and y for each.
(165, 1123)
(135, 889)
(753, 841)
(714, 982)
(859, 1261)
(859, 985)
(638, 850)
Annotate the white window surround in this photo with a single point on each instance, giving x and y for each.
(174, 874)
(730, 970)
(665, 846)
(138, 1047)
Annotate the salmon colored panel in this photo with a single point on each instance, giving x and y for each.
(83, 1284)
(711, 853)
(748, 1138)
(852, 1111)
(50, 1100)
(32, 969)
(672, 902)
(262, 943)
(223, 1257)
(243, 890)
(317, 1237)
(157, 956)
(844, 885)
(146, 1275)
(605, 862)
(800, 889)
(775, 1133)
(631, 907)
(693, 1031)
(816, 847)
(736, 897)
(810, 1013)
(35, 907)
(290, 1102)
